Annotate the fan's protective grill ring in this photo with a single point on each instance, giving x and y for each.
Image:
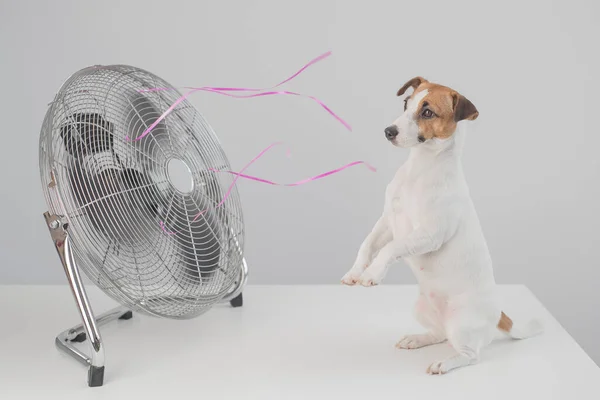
(132, 231)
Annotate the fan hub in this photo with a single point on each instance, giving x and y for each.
(180, 175)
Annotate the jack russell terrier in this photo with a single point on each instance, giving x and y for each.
(430, 221)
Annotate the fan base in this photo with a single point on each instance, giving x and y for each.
(77, 334)
(88, 329)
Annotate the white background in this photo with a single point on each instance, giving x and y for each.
(531, 159)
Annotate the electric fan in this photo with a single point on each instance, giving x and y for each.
(142, 215)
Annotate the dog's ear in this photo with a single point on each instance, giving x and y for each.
(414, 83)
(463, 108)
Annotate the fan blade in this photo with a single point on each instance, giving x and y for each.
(199, 243)
(87, 134)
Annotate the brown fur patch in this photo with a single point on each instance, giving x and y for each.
(414, 83)
(449, 107)
(464, 109)
(439, 100)
(505, 324)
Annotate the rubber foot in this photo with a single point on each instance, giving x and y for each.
(95, 376)
(126, 316)
(237, 301)
(82, 337)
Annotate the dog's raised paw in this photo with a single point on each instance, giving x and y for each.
(350, 279)
(367, 279)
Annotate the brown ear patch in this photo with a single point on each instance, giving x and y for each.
(414, 83)
(463, 108)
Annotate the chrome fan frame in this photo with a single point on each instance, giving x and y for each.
(222, 280)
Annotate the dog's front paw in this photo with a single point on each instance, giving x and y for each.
(369, 279)
(351, 278)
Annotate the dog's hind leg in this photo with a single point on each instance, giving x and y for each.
(466, 356)
(468, 330)
(429, 318)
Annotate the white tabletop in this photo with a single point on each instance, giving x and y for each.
(286, 342)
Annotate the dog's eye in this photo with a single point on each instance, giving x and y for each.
(405, 103)
(427, 113)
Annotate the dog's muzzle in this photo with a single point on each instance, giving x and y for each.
(391, 132)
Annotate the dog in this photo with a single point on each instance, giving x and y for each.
(430, 221)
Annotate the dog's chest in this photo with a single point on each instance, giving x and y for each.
(398, 199)
(404, 202)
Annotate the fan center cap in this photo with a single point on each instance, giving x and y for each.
(180, 175)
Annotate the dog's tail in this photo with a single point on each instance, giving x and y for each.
(533, 328)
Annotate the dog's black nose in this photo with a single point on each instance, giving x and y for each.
(391, 132)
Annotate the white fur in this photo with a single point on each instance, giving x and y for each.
(430, 221)
(408, 130)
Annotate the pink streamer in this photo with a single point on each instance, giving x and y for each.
(262, 153)
(303, 181)
(264, 92)
(162, 225)
(240, 174)
(238, 89)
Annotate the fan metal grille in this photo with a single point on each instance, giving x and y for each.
(117, 194)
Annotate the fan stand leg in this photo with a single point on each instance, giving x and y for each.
(88, 329)
(235, 295)
(77, 334)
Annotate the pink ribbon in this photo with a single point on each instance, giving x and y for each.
(263, 92)
(262, 153)
(237, 89)
(300, 182)
(162, 225)
(240, 174)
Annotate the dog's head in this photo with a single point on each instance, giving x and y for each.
(431, 111)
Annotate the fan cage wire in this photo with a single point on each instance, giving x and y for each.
(115, 193)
